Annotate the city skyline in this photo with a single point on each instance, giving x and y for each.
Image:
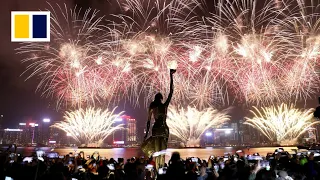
(42, 132)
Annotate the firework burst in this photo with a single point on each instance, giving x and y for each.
(152, 38)
(89, 126)
(64, 63)
(190, 124)
(238, 50)
(283, 123)
(303, 25)
(245, 35)
(73, 67)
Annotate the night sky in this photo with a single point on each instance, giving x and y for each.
(18, 99)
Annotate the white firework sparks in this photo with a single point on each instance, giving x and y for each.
(89, 126)
(190, 124)
(283, 123)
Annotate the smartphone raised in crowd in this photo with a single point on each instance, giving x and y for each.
(53, 155)
(194, 159)
(12, 155)
(162, 171)
(149, 167)
(225, 158)
(216, 168)
(40, 153)
(222, 165)
(28, 159)
(111, 167)
(265, 164)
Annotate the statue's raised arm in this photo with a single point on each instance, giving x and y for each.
(172, 71)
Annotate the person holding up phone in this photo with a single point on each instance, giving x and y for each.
(203, 173)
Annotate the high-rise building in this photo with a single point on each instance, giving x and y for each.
(32, 133)
(24, 138)
(58, 136)
(1, 120)
(131, 131)
(11, 136)
(45, 130)
(118, 137)
(127, 135)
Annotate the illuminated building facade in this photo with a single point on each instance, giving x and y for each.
(56, 134)
(131, 131)
(128, 135)
(31, 133)
(26, 133)
(11, 136)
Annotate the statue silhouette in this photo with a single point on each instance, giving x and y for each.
(316, 113)
(160, 131)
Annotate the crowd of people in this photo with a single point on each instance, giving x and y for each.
(279, 165)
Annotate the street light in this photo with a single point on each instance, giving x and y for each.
(118, 120)
(46, 120)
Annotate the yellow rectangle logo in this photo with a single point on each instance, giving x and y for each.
(21, 24)
(30, 26)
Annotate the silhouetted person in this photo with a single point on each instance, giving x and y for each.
(176, 168)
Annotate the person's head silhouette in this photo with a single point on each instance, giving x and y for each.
(158, 98)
